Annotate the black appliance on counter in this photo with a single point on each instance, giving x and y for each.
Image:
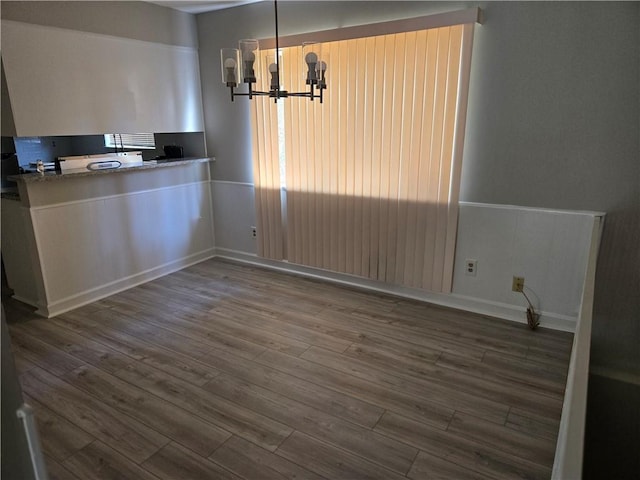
(171, 152)
(9, 167)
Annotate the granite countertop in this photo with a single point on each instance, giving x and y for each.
(148, 165)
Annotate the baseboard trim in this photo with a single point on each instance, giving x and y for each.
(470, 304)
(613, 374)
(28, 301)
(88, 296)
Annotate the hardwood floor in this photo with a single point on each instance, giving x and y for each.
(229, 371)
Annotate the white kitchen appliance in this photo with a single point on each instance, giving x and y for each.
(102, 161)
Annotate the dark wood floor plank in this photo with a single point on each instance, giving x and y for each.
(331, 462)
(311, 322)
(183, 296)
(501, 390)
(408, 350)
(174, 462)
(533, 424)
(159, 354)
(177, 424)
(40, 353)
(430, 467)
(504, 368)
(548, 355)
(206, 334)
(448, 395)
(532, 448)
(479, 457)
(252, 462)
(213, 408)
(456, 321)
(99, 462)
(237, 311)
(441, 327)
(141, 326)
(56, 471)
(122, 433)
(329, 401)
(308, 291)
(358, 440)
(21, 362)
(229, 326)
(409, 405)
(83, 348)
(59, 438)
(421, 339)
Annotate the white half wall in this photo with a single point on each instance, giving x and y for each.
(95, 247)
(549, 248)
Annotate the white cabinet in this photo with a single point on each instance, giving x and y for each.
(66, 82)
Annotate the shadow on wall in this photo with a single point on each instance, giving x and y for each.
(390, 241)
(395, 241)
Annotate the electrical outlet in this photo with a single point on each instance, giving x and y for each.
(518, 284)
(254, 232)
(470, 267)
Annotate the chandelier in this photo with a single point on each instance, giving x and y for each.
(244, 63)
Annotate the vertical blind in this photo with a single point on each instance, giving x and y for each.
(372, 174)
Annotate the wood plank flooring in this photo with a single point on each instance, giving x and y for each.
(230, 371)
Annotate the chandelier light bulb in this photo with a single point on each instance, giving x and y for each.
(243, 65)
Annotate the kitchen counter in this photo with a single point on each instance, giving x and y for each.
(73, 238)
(151, 164)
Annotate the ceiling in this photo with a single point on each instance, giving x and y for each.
(200, 6)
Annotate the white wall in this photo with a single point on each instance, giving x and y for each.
(553, 122)
(129, 19)
(66, 82)
(549, 248)
(234, 216)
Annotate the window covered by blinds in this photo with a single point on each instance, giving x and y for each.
(129, 140)
(373, 173)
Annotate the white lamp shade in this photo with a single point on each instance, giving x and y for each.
(250, 56)
(230, 66)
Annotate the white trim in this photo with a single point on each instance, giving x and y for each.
(229, 182)
(447, 19)
(27, 418)
(28, 301)
(117, 195)
(93, 294)
(570, 444)
(554, 321)
(507, 312)
(535, 209)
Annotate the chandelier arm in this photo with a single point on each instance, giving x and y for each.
(254, 93)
